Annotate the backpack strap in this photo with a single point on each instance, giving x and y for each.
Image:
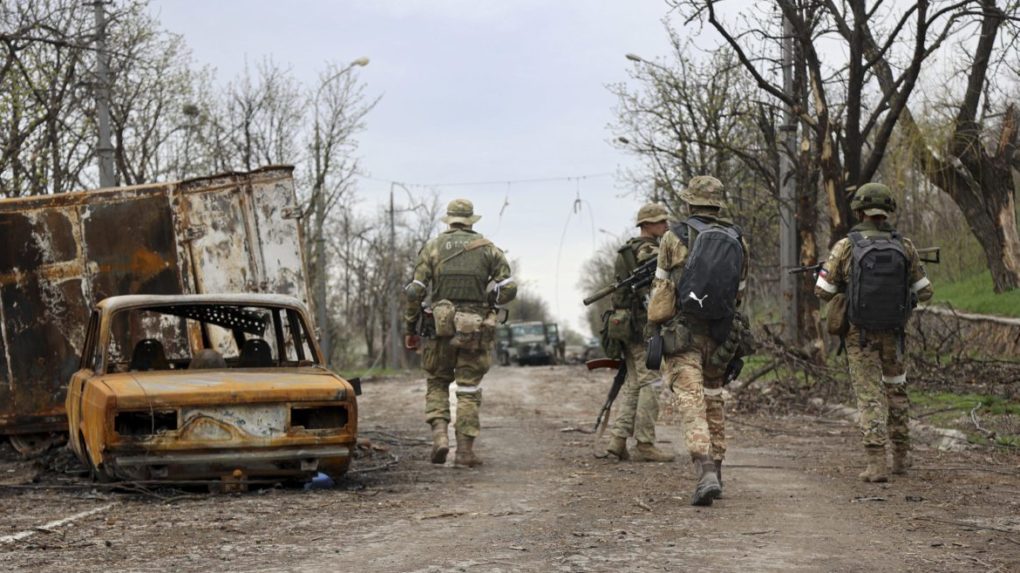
(682, 232)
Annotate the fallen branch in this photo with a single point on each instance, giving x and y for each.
(977, 424)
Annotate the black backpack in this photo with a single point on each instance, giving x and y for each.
(878, 293)
(708, 286)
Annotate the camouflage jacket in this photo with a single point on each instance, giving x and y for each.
(833, 276)
(673, 254)
(492, 270)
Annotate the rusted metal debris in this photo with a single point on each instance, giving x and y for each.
(61, 254)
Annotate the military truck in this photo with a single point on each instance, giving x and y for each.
(528, 343)
(62, 254)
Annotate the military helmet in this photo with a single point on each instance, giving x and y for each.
(461, 211)
(704, 191)
(873, 199)
(651, 213)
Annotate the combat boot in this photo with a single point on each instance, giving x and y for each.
(465, 456)
(876, 470)
(440, 441)
(900, 459)
(708, 484)
(649, 453)
(618, 447)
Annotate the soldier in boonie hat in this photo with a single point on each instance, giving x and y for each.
(651, 213)
(461, 211)
(704, 191)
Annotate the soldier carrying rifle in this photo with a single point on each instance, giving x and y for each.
(623, 338)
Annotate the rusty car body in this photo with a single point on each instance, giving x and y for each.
(216, 387)
(60, 254)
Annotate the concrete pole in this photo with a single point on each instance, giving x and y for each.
(107, 177)
(321, 272)
(396, 338)
(788, 250)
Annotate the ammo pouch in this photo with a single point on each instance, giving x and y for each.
(653, 356)
(837, 322)
(467, 331)
(662, 302)
(613, 347)
(618, 326)
(676, 337)
(443, 314)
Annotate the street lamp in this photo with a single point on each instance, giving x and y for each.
(634, 57)
(319, 199)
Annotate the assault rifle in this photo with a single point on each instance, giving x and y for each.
(935, 258)
(640, 278)
(614, 390)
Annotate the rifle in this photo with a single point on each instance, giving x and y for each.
(614, 390)
(936, 258)
(640, 278)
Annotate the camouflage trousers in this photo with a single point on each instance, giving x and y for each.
(880, 384)
(699, 396)
(639, 398)
(445, 364)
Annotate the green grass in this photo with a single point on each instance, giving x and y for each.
(976, 294)
(948, 409)
(379, 372)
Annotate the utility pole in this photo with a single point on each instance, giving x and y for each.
(788, 195)
(107, 178)
(321, 272)
(396, 340)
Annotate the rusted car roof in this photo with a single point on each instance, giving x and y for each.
(118, 303)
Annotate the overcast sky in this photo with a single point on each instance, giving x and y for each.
(472, 90)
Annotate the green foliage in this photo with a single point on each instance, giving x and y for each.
(975, 293)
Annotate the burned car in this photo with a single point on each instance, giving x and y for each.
(199, 387)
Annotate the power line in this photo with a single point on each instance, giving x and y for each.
(493, 181)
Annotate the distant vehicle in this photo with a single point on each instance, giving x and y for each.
(524, 343)
(224, 387)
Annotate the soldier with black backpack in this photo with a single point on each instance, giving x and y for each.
(699, 280)
(874, 277)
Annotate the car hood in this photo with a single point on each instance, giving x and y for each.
(195, 387)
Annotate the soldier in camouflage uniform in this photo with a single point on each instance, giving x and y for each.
(696, 381)
(464, 268)
(876, 363)
(639, 401)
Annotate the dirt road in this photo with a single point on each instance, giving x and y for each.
(542, 502)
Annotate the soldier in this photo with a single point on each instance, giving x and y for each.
(699, 280)
(639, 402)
(466, 276)
(879, 290)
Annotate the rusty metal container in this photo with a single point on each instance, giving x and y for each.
(60, 254)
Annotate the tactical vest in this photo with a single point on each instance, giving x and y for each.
(461, 274)
(634, 301)
(878, 288)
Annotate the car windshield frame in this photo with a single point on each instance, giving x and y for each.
(297, 328)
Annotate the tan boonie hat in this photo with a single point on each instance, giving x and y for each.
(704, 191)
(461, 211)
(651, 213)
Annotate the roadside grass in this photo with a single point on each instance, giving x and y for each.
(975, 293)
(367, 373)
(948, 409)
